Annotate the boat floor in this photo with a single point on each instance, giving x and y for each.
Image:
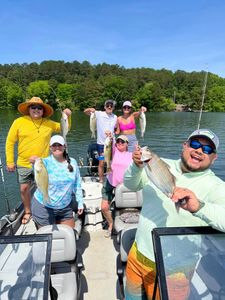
(99, 279)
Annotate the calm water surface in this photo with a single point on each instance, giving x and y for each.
(165, 133)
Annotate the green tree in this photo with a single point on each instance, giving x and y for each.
(215, 99)
(10, 94)
(66, 95)
(41, 89)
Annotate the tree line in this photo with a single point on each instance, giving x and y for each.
(79, 85)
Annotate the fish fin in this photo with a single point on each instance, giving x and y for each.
(177, 206)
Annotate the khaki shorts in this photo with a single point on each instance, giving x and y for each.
(25, 175)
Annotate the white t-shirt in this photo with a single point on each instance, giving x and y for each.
(104, 122)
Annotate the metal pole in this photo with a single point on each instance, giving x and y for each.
(203, 98)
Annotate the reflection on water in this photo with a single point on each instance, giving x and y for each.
(165, 134)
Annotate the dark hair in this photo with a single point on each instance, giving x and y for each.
(66, 155)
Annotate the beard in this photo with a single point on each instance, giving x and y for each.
(187, 168)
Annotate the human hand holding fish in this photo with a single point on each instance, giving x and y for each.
(143, 109)
(185, 199)
(32, 159)
(108, 133)
(137, 157)
(67, 111)
(89, 110)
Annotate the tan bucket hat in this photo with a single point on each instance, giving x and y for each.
(23, 108)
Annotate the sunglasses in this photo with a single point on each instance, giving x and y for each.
(119, 141)
(56, 145)
(207, 149)
(109, 106)
(126, 107)
(39, 107)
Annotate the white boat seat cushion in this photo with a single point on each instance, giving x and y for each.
(65, 285)
(63, 249)
(63, 242)
(127, 207)
(125, 198)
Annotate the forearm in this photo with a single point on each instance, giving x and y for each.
(89, 110)
(213, 214)
(135, 178)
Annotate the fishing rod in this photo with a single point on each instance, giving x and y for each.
(10, 218)
(4, 187)
(203, 98)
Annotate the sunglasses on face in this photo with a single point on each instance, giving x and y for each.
(39, 107)
(207, 149)
(119, 141)
(109, 106)
(126, 107)
(57, 145)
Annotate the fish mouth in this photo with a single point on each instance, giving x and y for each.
(145, 160)
(146, 154)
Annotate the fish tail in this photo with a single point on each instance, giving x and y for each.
(108, 169)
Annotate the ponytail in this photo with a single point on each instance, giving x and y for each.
(70, 167)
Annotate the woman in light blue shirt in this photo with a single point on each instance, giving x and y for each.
(63, 181)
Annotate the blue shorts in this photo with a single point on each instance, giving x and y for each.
(132, 142)
(43, 215)
(100, 149)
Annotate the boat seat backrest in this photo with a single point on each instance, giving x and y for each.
(127, 239)
(63, 242)
(124, 198)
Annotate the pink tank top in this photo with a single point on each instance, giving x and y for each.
(120, 162)
(129, 126)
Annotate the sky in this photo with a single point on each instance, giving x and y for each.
(171, 34)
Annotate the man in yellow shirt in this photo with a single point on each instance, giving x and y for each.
(32, 132)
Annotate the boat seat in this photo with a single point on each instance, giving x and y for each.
(127, 238)
(66, 262)
(126, 207)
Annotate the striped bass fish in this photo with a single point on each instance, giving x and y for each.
(41, 178)
(142, 122)
(158, 171)
(64, 125)
(108, 153)
(93, 125)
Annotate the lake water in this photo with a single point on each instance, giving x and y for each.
(165, 133)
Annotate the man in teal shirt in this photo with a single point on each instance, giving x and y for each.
(204, 206)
